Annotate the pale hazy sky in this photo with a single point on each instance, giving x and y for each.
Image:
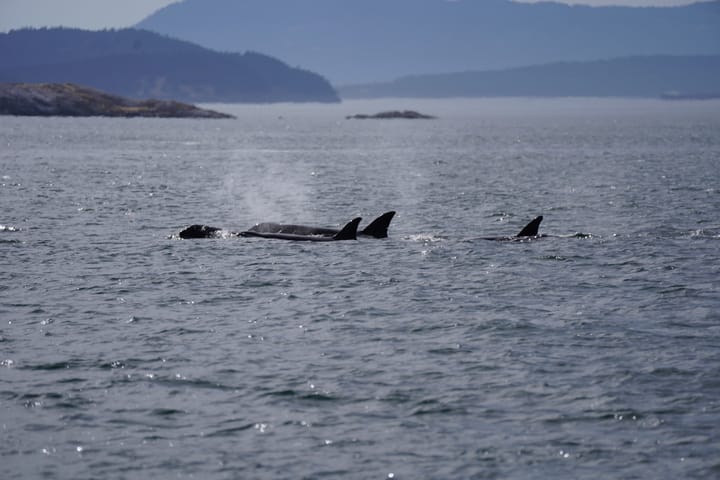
(97, 14)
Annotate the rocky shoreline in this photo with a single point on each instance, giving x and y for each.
(70, 100)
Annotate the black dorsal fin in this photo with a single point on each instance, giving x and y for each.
(378, 228)
(349, 231)
(531, 229)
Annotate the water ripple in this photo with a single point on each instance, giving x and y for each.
(429, 354)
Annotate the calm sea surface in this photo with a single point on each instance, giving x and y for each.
(126, 353)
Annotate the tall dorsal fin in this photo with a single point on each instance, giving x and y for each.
(531, 229)
(378, 228)
(349, 231)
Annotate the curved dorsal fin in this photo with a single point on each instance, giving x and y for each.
(378, 228)
(349, 231)
(531, 229)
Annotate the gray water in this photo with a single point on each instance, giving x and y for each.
(127, 353)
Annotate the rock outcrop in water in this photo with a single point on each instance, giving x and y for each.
(70, 100)
(406, 114)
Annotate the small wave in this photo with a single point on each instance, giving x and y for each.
(446, 350)
(179, 380)
(711, 232)
(557, 258)
(63, 365)
(231, 431)
(301, 395)
(435, 407)
(180, 331)
(9, 228)
(166, 412)
(425, 238)
(574, 235)
(227, 234)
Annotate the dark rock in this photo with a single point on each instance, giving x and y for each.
(407, 114)
(70, 100)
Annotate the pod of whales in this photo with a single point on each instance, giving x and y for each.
(378, 228)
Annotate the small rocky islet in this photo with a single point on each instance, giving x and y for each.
(392, 114)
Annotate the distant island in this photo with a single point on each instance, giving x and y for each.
(406, 114)
(696, 76)
(140, 64)
(69, 100)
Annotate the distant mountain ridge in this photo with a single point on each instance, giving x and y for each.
(142, 64)
(358, 41)
(646, 76)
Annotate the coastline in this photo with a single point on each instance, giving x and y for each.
(71, 100)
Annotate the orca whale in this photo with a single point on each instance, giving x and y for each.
(378, 228)
(200, 231)
(529, 232)
(348, 232)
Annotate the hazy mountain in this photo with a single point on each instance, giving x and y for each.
(353, 41)
(141, 64)
(652, 76)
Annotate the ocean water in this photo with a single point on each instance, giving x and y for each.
(128, 353)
